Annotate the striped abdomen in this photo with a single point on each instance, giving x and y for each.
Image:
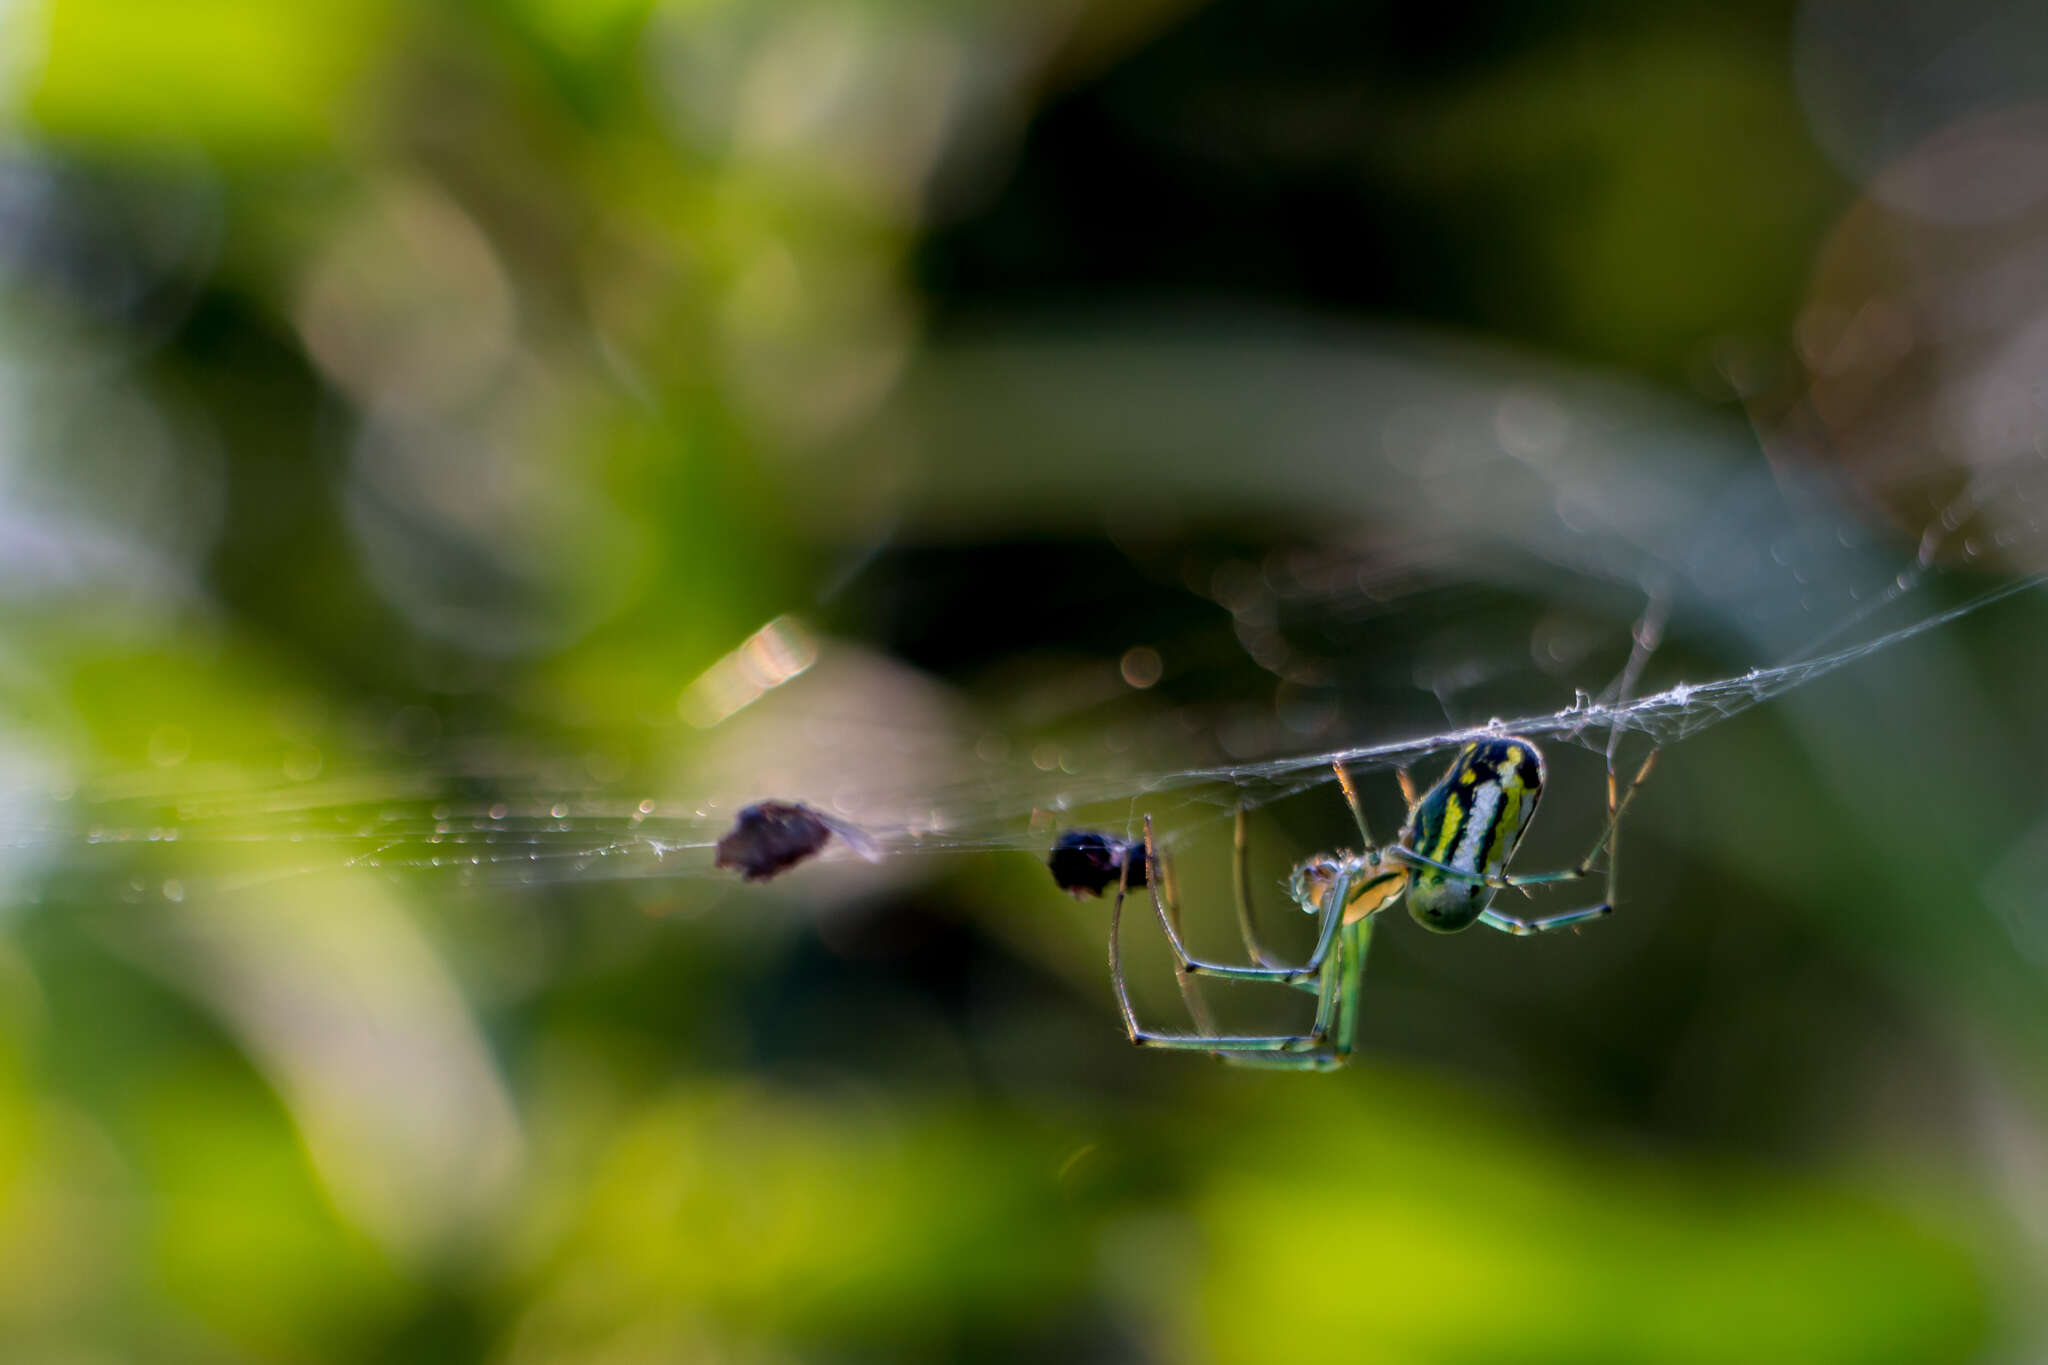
(1471, 820)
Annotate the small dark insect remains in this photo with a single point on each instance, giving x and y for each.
(1085, 863)
(772, 836)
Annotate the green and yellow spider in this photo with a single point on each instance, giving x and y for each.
(1450, 862)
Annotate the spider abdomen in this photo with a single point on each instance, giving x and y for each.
(1471, 821)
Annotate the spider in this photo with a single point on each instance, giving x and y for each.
(1450, 861)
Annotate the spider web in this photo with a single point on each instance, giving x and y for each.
(1677, 713)
(540, 823)
(1734, 561)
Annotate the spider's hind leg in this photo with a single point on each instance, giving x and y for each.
(1515, 924)
(1618, 801)
(1323, 1059)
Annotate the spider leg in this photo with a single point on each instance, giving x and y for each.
(1241, 887)
(1400, 853)
(1647, 635)
(1241, 879)
(1309, 1050)
(1323, 1059)
(1309, 1042)
(1333, 917)
(1357, 807)
(1617, 805)
(1116, 957)
(1357, 938)
(1231, 1043)
(1167, 898)
(1515, 924)
(1349, 979)
(1616, 808)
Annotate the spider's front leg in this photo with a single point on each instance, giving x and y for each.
(1349, 980)
(1333, 917)
(1277, 1043)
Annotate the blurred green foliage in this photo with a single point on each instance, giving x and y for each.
(398, 399)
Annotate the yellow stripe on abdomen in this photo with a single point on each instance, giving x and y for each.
(1453, 826)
